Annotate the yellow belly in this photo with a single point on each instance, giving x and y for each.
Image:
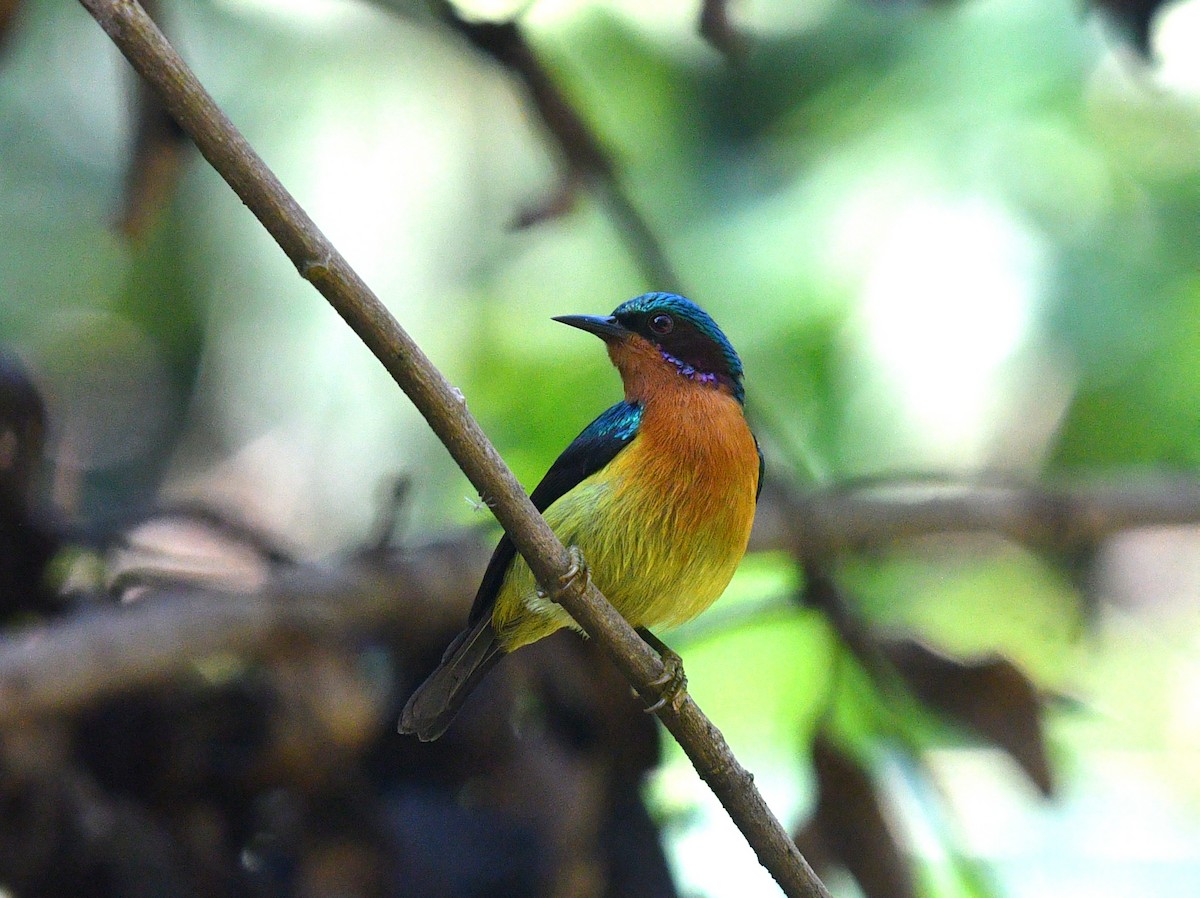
(662, 533)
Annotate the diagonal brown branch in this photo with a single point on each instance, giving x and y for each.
(445, 410)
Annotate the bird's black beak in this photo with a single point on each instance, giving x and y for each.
(604, 327)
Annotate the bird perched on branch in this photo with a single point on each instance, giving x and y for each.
(658, 494)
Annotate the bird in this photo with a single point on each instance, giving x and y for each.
(657, 495)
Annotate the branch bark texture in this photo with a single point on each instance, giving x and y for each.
(65, 666)
(827, 523)
(444, 407)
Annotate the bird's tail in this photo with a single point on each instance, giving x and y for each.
(432, 707)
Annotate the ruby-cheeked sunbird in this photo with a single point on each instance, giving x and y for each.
(658, 494)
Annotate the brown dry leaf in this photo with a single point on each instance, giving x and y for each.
(159, 150)
(988, 695)
(8, 11)
(1135, 16)
(850, 826)
(557, 204)
(342, 867)
(715, 28)
(325, 712)
(811, 843)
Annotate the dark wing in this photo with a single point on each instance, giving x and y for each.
(762, 469)
(595, 447)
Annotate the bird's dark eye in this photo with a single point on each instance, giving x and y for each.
(662, 324)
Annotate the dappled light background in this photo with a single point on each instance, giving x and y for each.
(953, 242)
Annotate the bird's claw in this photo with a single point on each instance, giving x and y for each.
(671, 684)
(578, 575)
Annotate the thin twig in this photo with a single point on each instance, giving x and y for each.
(588, 162)
(445, 410)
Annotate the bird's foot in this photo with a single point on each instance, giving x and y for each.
(672, 682)
(577, 577)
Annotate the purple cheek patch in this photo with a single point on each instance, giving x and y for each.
(704, 377)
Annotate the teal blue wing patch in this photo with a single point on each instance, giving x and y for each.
(598, 444)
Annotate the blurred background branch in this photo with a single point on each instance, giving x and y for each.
(65, 666)
(62, 667)
(955, 237)
(588, 164)
(847, 518)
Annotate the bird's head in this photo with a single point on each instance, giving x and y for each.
(661, 339)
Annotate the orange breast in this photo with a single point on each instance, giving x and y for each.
(686, 486)
(696, 453)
